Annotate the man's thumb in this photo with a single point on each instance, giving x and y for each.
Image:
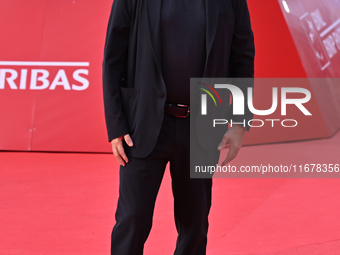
(128, 140)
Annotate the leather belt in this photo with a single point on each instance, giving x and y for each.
(177, 110)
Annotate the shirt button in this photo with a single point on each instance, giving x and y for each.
(160, 94)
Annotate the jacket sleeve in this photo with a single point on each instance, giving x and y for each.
(242, 55)
(114, 66)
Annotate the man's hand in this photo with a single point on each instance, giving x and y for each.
(233, 137)
(118, 149)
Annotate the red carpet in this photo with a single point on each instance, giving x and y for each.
(59, 203)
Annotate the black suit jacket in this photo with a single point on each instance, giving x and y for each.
(133, 87)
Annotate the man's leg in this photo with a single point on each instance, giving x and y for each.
(140, 180)
(192, 198)
(139, 185)
(192, 205)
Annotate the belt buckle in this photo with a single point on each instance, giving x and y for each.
(184, 106)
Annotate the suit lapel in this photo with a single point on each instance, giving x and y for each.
(153, 11)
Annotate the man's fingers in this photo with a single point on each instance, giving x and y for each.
(233, 151)
(128, 140)
(118, 149)
(117, 156)
(234, 136)
(121, 152)
(224, 142)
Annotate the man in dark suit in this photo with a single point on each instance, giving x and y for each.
(152, 49)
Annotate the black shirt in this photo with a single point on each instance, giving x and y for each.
(183, 46)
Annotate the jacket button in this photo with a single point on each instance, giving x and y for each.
(160, 94)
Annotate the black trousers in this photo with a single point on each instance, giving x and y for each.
(140, 180)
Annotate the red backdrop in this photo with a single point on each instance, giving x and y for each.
(50, 70)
